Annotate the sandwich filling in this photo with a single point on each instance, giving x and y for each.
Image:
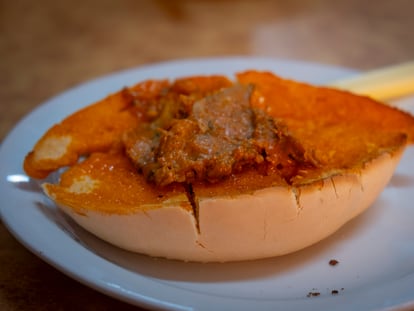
(211, 138)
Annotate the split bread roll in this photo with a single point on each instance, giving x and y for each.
(356, 143)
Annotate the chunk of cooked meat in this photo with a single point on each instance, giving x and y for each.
(221, 135)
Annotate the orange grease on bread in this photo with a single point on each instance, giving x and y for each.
(356, 140)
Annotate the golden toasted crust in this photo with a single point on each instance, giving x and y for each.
(109, 183)
(357, 143)
(94, 128)
(296, 102)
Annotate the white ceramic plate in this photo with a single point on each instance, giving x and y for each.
(375, 251)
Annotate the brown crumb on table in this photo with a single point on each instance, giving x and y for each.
(333, 262)
(313, 294)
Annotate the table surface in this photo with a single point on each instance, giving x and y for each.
(49, 46)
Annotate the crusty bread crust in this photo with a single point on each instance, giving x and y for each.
(268, 222)
(357, 143)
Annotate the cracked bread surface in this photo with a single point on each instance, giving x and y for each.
(357, 141)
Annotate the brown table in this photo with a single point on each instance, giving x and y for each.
(48, 46)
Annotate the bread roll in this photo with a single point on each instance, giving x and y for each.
(356, 142)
